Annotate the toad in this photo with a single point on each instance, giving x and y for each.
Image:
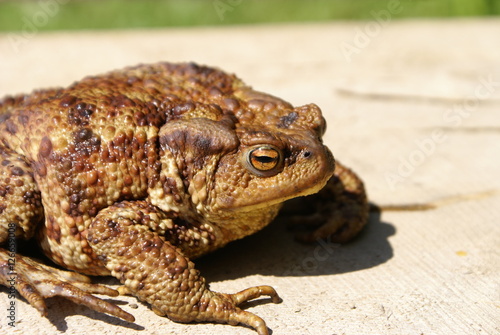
(137, 172)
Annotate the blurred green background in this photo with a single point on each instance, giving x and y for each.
(113, 14)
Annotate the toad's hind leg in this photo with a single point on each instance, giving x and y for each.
(35, 282)
(20, 213)
(128, 238)
(20, 202)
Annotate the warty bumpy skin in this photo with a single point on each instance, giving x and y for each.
(136, 172)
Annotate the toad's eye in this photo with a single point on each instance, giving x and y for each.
(264, 160)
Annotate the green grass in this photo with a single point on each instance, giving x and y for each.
(114, 14)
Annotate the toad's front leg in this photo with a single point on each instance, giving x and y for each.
(125, 237)
(338, 212)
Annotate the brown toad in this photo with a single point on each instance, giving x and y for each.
(136, 172)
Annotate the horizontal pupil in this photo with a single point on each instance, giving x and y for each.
(265, 159)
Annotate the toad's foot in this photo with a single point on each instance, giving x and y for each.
(35, 282)
(223, 308)
(211, 302)
(338, 212)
